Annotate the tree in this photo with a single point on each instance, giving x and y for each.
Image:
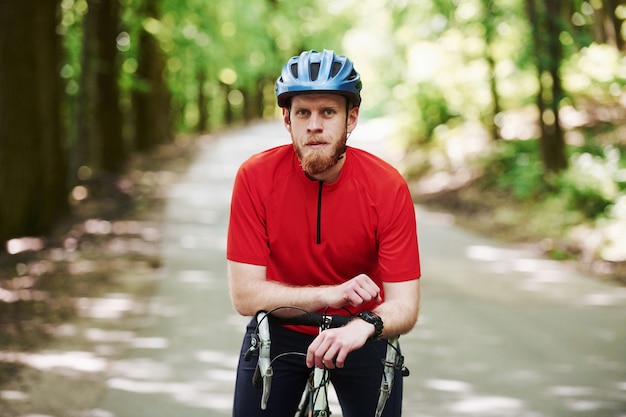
(33, 193)
(490, 34)
(84, 136)
(151, 96)
(607, 24)
(112, 150)
(99, 142)
(548, 56)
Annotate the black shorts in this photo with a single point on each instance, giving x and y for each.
(357, 384)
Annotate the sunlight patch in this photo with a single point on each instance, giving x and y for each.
(221, 375)
(488, 404)
(141, 368)
(23, 244)
(100, 413)
(195, 277)
(601, 300)
(101, 335)
(112, 307)
(215, 357)
(448, 385)
(582, 405)
(78, 361)
(11, 395)
(36, 415)
(150, 343)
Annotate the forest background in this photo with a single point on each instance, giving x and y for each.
(508, 113)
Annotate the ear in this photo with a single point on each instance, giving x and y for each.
(353, 117)
(287, 118)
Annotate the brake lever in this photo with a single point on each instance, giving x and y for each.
(264, 370)
(392, 362)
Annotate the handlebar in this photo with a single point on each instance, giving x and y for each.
(323, 321)
(261, 340)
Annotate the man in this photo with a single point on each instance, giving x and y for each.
(325, 227)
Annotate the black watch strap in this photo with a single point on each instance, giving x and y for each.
(374, 319)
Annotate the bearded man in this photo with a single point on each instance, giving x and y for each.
(325, 227)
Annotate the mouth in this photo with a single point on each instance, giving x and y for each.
(315, 143)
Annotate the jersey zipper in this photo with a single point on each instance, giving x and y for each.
(319, 213)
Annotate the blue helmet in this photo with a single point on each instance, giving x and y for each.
(322, 72)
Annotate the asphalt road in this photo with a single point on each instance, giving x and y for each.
(502, 332)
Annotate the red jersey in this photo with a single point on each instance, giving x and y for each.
(307, 232)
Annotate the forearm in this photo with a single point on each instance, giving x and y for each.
(400, 310)
(268, 295)
(251, 292)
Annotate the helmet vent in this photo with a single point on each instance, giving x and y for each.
(315, 71)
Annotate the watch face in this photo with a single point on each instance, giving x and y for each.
(375, 320)
(369, 316)
(372, 318)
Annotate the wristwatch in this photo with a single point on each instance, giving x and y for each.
(374, 319)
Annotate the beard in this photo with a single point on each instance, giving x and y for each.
(317, 161)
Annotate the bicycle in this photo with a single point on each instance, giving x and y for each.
(314, 401)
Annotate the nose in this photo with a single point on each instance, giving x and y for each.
(315, 123)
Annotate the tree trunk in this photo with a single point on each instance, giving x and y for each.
(493, 83)
(249, 104)
(203, 104)
(613, 24)
(85, 137)
(152, 98)
(548, 57)
(229, 115)
(552, 140)
(260, 97)
(33, 193)
(112, 150)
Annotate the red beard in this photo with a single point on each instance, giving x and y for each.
(315, 162)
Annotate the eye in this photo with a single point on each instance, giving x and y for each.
(302, 112)
(329, 112)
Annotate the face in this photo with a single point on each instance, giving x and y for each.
(319, 128)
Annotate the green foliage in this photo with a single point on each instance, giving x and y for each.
(590, 185)
(435, 66)
(597, 73)
(431, 110)
(211, 45)
(516, 166)
(223, 50)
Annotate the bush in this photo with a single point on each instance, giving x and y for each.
(589, 184)
(516, 167)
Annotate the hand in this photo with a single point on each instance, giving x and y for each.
(331, 347)
(355, 292)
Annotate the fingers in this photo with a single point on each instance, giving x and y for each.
(361, 290)
(331, 347)
(318, 353)
(362, 296)
(325, 351)
(355, 292)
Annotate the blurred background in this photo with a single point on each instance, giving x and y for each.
(520, 97)
(508, 113)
